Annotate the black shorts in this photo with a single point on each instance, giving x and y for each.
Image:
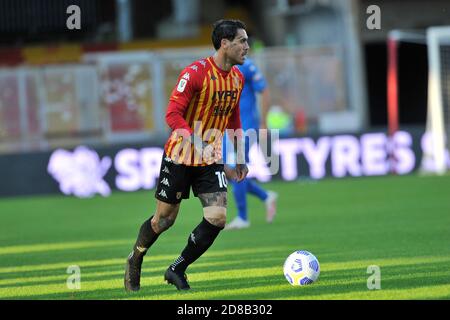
(175, 180)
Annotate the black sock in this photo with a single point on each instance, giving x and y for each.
(147, 236)
(199, 241)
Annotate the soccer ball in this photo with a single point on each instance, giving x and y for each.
(301, 268)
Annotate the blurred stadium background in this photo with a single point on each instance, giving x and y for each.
(82, 114)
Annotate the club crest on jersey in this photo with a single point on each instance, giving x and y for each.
(236, 81)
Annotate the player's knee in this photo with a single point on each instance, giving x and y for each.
(165, 216)
(219, 222)
(161, 224)
(216, 216)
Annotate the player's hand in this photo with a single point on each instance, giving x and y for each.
(205, 150)
(230, 172)
(241, 172)
(209, 153)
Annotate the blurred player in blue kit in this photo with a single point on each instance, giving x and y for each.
(255, 83)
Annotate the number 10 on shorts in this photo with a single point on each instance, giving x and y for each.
(222, 179)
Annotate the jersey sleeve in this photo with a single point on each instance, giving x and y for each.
(255, 78)
(175, 117)
(188, 84)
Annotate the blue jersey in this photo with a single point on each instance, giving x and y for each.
(254, 82)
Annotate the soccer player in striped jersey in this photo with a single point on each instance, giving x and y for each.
(204, 102)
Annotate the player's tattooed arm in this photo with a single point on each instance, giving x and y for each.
(218, 199)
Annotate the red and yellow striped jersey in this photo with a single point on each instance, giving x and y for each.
(205, 102)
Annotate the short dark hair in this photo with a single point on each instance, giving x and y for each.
(225, 29)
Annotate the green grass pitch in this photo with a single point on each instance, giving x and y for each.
(401, 224)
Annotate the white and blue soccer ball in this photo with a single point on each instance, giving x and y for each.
(301, 268)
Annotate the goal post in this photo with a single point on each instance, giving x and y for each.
(394, 39)
(438, 99)
(437, 133)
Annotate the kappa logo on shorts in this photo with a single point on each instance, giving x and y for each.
(165, 182)
(167, 159)
(166, 170)
(162, 193)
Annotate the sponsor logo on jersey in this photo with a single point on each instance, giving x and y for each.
(224, 95)
(221, 111)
